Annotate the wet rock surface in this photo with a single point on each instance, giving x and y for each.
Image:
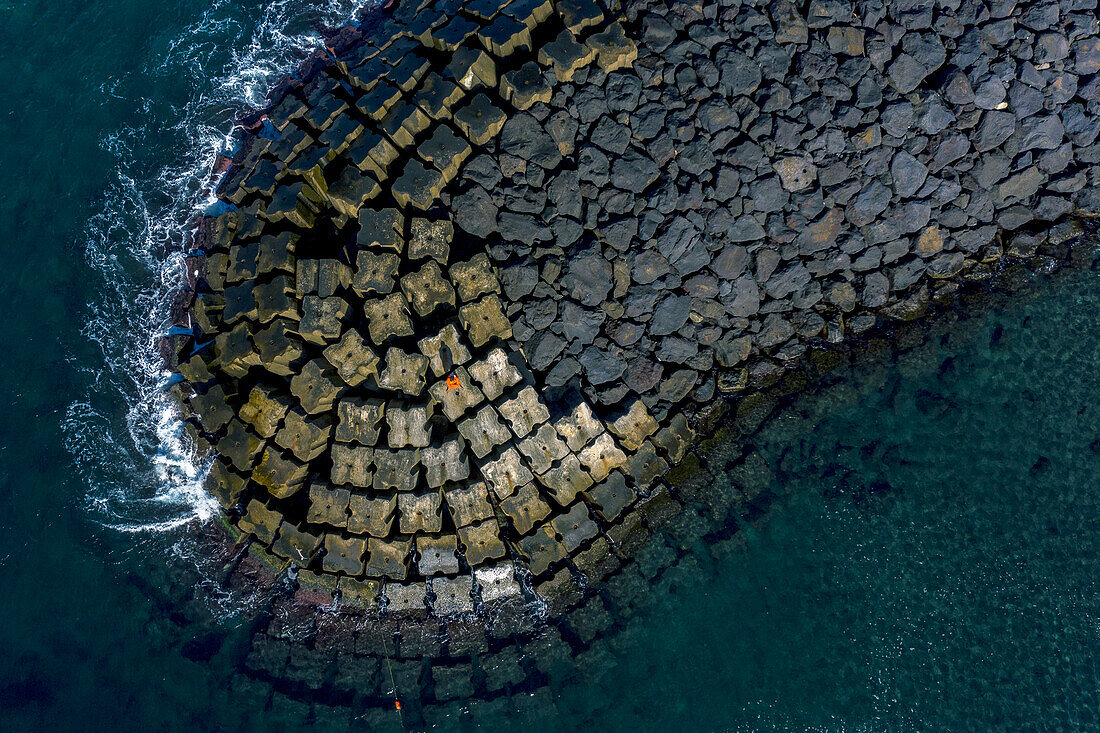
(480, 278)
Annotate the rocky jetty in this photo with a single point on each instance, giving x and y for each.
(482, 272)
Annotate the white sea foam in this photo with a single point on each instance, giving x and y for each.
(126, 436)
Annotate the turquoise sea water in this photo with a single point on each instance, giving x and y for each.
(930, 561)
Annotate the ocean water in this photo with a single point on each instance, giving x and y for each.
(929, 560)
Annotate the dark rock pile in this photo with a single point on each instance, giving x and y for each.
(483, 270)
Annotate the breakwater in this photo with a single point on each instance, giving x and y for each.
(610, 217)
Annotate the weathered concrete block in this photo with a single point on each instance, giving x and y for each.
(388, 318)
(471, 68)
(614, 50)
(505, 474)
(453, 596)
(505, 36)
(226, 485)
(279, 347)
(431, 347)
(480, 120)
(429, 238)
(409, 71)
(580, 427)
(437, 96)
(675, 438)
(351, 190)
(426, 289)
(566, 480)
(403, 123)
(352, 466)
(372, 516)
(292, 203)
(207, 310)
(601, 457)
(418, 187)
(275, 299)
(317, 387)
(295, 545)
(446, 151)
(611, 496)
(525, 508)
(407, 599)
(260, 522)
(396, 470)
(304, 436)
(438, 555)
(374, 272)
(352, 359)
(634, 426)
(322, 319)
(484, 431)
(525, 86)
(388, 559)
(495, 373)
(344, 554)
(376, 103)
(457, 400)
(579, 14)
(240, 446)
(575, 527)
(468, 503)
(276, 253)
(235, 352)
(497, 582)
(525, 411)
(529, 12)
(382, 228)
(645, 466)
(420, 512)
(404, 372)
(373, 153)
(361, 593)
(542, 447)
(240, 304)
(446, 463)
(409, 425)
(328, 506)
(542, 549)
(474, 277)
(359, 420)
(566, 56)
(485, 320)
(264, 411)
(343, 131)
(482, 542)
(242, 263)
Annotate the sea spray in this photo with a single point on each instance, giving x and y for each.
(126, 435)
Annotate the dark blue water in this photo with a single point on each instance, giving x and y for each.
(929, 563)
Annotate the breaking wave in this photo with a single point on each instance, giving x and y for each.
(126, 436)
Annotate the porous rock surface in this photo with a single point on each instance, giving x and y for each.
(611, 215)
